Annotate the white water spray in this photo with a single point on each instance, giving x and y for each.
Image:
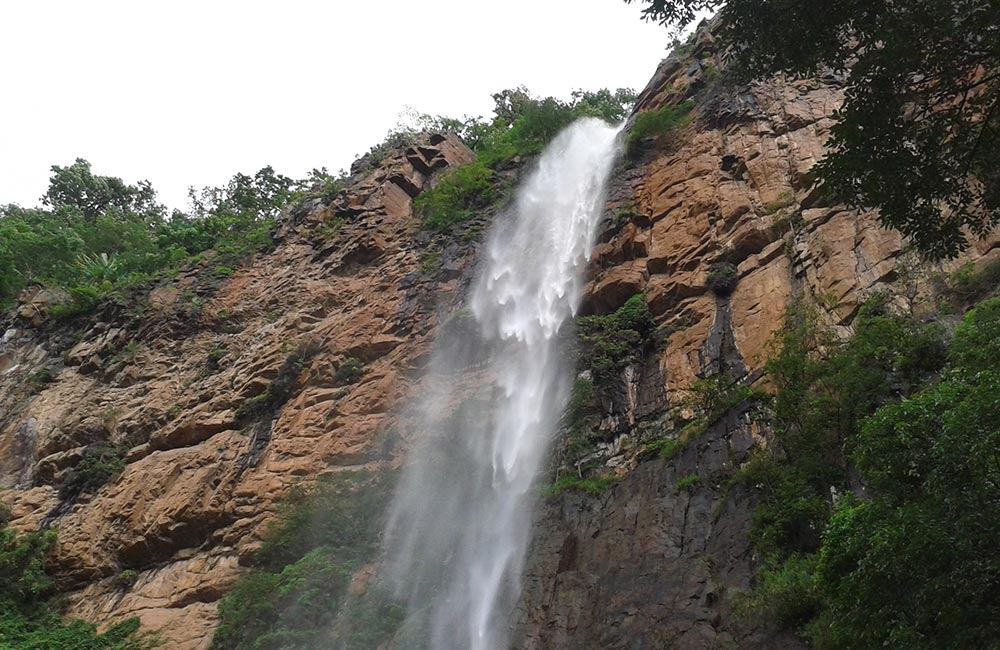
(459, 525)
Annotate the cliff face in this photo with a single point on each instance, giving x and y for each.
(164, 541)
(721, 227)
(351, 283)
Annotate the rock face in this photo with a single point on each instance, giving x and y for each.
(165, 387)
(719, 226)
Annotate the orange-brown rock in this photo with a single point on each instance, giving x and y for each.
(200, 483)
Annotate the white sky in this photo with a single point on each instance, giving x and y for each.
(188, 93)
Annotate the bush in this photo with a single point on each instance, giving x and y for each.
(654, 125)
(27, 618)
(460, 192)
(281, 389)
(299, 581)
(350, 371)
(522, 126)
(100, 464)
(288, 609)
(613, 341)
(785, 594)
(687, 483)
(722, 279)
(592, 486)
(913, 565)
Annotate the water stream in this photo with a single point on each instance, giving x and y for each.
(497, 385)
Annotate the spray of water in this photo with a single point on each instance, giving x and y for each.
(459, 524)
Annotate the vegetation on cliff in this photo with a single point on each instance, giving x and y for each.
(521, 127)
(97, 237)
(29, 618)
(880, 495)
(918, 136)
(296, 596)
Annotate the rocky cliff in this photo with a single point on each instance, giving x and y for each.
(719, 226)
(348, 287)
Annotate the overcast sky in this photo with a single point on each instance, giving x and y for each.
(188, 93)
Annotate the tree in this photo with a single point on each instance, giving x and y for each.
(77, 187)
(918, 136)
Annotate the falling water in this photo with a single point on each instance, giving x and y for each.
(459, 525)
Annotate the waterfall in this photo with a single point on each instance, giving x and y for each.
(459, 525)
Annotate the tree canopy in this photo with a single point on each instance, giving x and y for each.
(918, 136)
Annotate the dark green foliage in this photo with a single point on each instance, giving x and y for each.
(710, 400)
(126, 579)
(462, 191)
(976, 346)
(656, 124)
(971, 283)
(100, 464)
(349, 371)
(42, 377)
(342, 512)
(919, 130)
(27, 620)
(214, 359)
(913, 565)
(666, 448)
(286, 609)
(293, 599)
(581, 418)
(368, 622)
(22, 566)
(521, 127)
(786, 593)
(611, 342)
(282, 388)
(592, 486)
(48, 631)
(687, 483)
(722, 279)
(100, 237)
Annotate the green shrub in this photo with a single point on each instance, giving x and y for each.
(592, 486)
(430, 262)
(666, 448)
(913, 565)
(522, 126)
(722, 279)
(100, 464)
(126, 579)
(687, 483)
(28, 620)
(656, 124)
(458, 195)
(969, 282)
(41, 378)
(368, 622)
(785, 595)
(282, 388)
(613, 341)
(782, 201)
(288, 609)
(299, 580)
(350, 371)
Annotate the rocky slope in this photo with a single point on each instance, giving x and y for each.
(719, 226)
